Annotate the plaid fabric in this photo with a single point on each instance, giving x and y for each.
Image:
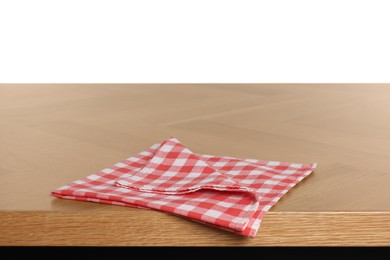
(229, 193)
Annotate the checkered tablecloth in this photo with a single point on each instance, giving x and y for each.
(229, 193)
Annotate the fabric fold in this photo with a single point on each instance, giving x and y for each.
(174, 169)
(225, 192)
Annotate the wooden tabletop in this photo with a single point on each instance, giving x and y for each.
(52, 134)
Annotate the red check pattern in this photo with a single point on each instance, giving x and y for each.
(229, 193)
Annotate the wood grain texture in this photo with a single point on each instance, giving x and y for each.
(52, 134)
(123, 229)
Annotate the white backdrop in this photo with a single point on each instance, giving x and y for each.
(215, 41)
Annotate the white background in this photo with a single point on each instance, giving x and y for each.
(205, 41)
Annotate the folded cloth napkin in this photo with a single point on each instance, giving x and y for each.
(226, 192)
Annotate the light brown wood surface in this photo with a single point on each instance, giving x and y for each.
(52, 134)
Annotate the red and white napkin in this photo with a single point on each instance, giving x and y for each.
(225, 192)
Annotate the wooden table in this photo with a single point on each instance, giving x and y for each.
(52, 134)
